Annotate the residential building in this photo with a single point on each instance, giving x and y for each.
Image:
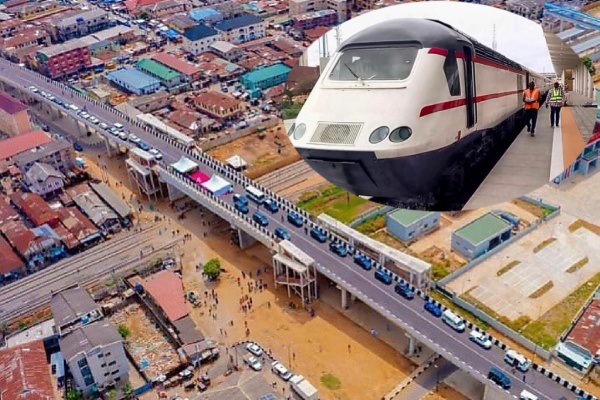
(193, 122)
(480, 236)
(95, 355)
(133, 81)
(11, 265)
(81, 23)
(290, 48)
(219, 105)
(226, 50)
(215, 69)
(165, 290)
(82, 229)
(10, 27)
(44, 179)
(151, 102)
(530, 9)
(314, 19)
(57, 153)
(189, 71)
(110, 39)
(227, 8)
(168, 77)
(111, 198)
(38, 246)
(22, 40)
(72, 308)
(264, 78)
(166, 8)
(342, 8)
(302, 79)
(32, 10)
(241, 29)
(67, 58)
(37, 211)
(21, 143)
(180, 23)
(7, 212)
(408, 225)
(24, 373)
(95, 209)
(14, 118)
(198, 39)
(208, 16)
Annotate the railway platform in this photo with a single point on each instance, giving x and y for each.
(531, 162)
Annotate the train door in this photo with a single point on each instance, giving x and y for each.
(470, 93)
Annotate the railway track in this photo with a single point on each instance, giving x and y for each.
(286, 177)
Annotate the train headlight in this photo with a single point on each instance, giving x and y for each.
(299, 131)
(400, 134)
(379, 134)
(291, 129)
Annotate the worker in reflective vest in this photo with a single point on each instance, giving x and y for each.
(531, 98)
(555, 99)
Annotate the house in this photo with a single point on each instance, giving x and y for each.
(111, 198)
(72, 308)
(22, 143)
(189, 71)
(95, 209)
(22, 40)
(166, 8)
(79, 226)
(37, 246)
(180, 23)
(208, 16)
(35, 208)
(241, 29)
(226, 50)
(14, 117)
(80, 23)
(24, 373)
(63, 59)
(219, 105)
(29, 11)
(316, 18)
(10, 262)
(302, 79)
(133, 81)
(57, 153)
(44, 179)
(165, 290)
(267, 77)
(192, 121)
(151, 102)
(168, 77)
(10, 27)
(198, 39)
(7, 213)
(342, 8)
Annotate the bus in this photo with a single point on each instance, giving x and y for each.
(255, 195)
(453, 320)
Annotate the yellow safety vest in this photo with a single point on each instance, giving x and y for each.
(556, 96)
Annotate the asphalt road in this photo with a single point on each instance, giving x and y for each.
(441, 338)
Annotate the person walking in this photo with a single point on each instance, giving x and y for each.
(555, 99)
(531, 98)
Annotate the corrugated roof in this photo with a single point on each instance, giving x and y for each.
(187, 331)
(24, 373)
(9, 260)
(176, 63)
(35, 207)
(11, 106)
(199, 32)
(111, 198)
(238, 22)
(157, 69)
(586, 331)
(88, 337)
(408, 217)
(202, 14)
(482, 228)
(166, 289)
(132, 77)
(262, 74)
(71, 304)
(7, 213)
(41, 151)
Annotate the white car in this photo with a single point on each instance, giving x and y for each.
(33, 89)
(253, 363)
(94, 120)
(481, 339)
(157, 154)
(122, 135)
(118, 126)
(133, 138)
(74, 107)
(254, 349)
(103, 125)
(280, 370)
(51, 98)
(185, 373)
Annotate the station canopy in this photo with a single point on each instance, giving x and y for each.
(184, 165)
(199, 177)
(217, 185)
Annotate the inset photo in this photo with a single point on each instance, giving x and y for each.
(441, 106)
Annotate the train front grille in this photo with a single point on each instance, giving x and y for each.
(336, 133)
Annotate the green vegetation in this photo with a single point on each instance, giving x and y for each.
(545, 243)
(584, 224)
(212, 269)
(515, 325)
(437, 296)
(335, 202)
(73, 394)
(589, 64)
(532, 208)
(124, 331)
(542, 291)
(547, 330)
(508, 267)
(290, 110)
(578, 265)
(371, 225)
(331, 382)
(440, 269)
(127, 389)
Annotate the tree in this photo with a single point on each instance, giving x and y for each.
(73, 394)
(124, 331)
(112, 394)
(212, 268)
(288, 95)
(127, 390)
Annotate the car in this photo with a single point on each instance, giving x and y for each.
(499, 378)
(282, 234)
(271, 205)
(94, 120)
(317, 234)
(122, 135)
(403, 290)
(157, 154)
(57, 101)
(383, 277)
(84, 115)
(295, 219)
(186, 373)
(280, 370)
(77, 146)
(103, 126)
(338, 248)
(253, 363)
(66, 105)
(241, 207)
(240, 198)
(433, 309)
(143, 146)
(260, 218)
(363, 261)
(74, 107)
(254, 349)
(133, 138)
(33, 89)
(51, 98)
(118, 126)
(115, 132)
(481, 339)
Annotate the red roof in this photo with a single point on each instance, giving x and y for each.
(24, 373)
(36, 209)
(176, 63)
(166, 289)
(586, 331)
(21, 237)
(9, 260)
(76, 222)
(20, 143)
(7, 213)
(11, 105)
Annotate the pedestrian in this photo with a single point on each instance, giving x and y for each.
(524, 378)
(531, 98)
(349, 348)
(243, 275)
(555, 100)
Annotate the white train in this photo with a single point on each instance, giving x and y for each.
(405, 108)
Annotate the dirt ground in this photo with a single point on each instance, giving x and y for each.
(260, 154)
(444, 392)
(311, 183)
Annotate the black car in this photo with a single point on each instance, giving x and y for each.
(403, 290)
(77, 146)
(338, 249)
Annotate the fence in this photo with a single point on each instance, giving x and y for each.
(371, 214)
(237, 134)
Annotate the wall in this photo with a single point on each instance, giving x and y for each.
(371, 214)
(237, 134)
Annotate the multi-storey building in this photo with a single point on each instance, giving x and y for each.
(81, 23)
(197, 40)
(314, 19)
(219, 106)
(14, 118)
(56, 153)
(241, 29)
(23, 39)
(59, 60)
(29, 11)
(343, 8)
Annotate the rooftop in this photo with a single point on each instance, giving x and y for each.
(84, 15)
(36, 209)
(132, 77)
(148, 98)
(71, 304)
(42, 151)
(88, 337)
(40, 172)
(202, 14)
(238, 22)
(199, 32)
(166, 289)
(92, 205)
(10, 105)
(586, 331)
(24, 373)
(157, 69)
(62, 48)
(408, 217)
(7, 213)
(111, 198)
(262, 74)
(9, 260)
(176, 63)
(217, 100)
(223, 46)
(77, 223)
(20, 143)
(112, 33)
(483, 228)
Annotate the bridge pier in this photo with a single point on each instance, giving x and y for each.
(109, 148)
(412, 345)
(174, 193)
(493, 393)
(245, 241)
(344, 299)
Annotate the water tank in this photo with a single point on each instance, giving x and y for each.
(138, 287)
(510, 218)
(85, 319)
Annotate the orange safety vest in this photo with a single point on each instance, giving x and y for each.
(534, 95)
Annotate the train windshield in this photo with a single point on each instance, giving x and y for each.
(374, 64)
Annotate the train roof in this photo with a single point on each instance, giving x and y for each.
(426, 33)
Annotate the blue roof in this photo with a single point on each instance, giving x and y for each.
(571, 33)
(132, 77)
(199, 32)
(264, 73)
(171, 34)
(202, 14)
(587, 45)
(238, 22)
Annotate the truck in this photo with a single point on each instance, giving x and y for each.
(303, 388)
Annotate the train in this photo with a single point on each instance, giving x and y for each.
(406, 108)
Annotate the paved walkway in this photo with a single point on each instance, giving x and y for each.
(427, 381)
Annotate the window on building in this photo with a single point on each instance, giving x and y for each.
(112, 363)
(425, 226)
(115, 372)
(99, 355)
(451, 72)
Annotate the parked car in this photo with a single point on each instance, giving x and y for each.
(433, 309)
(499, 378)
(403, 290)
(143, 146)
(157, 154)
(103, 126)
(383, 277)
(77, 146)
(295, 219)
(338, 248)
(133, 138)
(318, 235)
(253, 362)
(481, 339)
(282, 234)
(363, 261)
(280, 370)
(254, 349)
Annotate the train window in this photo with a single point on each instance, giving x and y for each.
(451, 72)
(376, 64)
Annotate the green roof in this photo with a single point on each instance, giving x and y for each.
(262, 74)
(482, 228)
(157, 69)
(408, 217)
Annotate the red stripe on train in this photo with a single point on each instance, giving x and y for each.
(448, 105)
(479, 60)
